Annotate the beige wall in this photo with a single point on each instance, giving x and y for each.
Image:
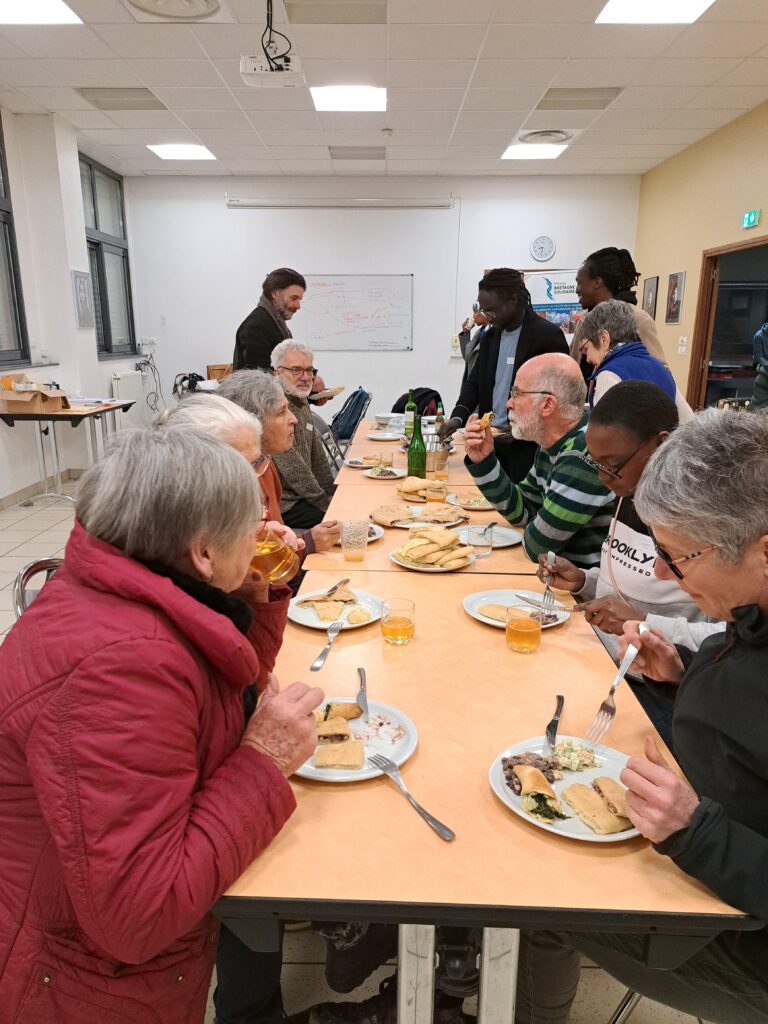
(694, 201)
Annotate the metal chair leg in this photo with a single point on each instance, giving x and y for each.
(625, 1008)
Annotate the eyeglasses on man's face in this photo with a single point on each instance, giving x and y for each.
(299, 371)
(612, 471)
(261, 465)
(673, 564)
(515, 393)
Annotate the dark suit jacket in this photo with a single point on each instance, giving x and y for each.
(537, 337)
(256, 336)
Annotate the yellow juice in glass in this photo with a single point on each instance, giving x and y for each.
(274, 559)
(354, 554)
(397, 629)
(523, 633)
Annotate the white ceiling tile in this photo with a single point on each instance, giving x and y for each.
(633, 41)
(475, 154)
(213, 137)
(548, 11)
(623, 164)
(181, 74)
(148, 41)
(100, 11)
(135, 152)
(539, 120)
(339, 41)
(412, 166)
(196, 99)
(57, 98)
(138, 137)
(437, 74)
(579, 73)
(25, 72)
(687, 118)
(535, 40)
(87, 119)
(479, 120)
(749, 72)
(145, 119)
(252, 153)
(252, 166)
(647, 136)
(229, 72)
(8, 51)
(195, 119)
(620, 117)
(406, 137)
(718, 39)
(416, 153)
(357, 167)
(274, 120)
(498, 138)
(725, 96)
(65, 41)
(298, 152)
(349, 122)
(737, 10)
(650, 97)
(444, 12)
(424, 99)
(81, 73)
(305, 167)
(247, 12)
(508, 73)
(340, 138)
(285, 137)
(272, 99)
(346, 72)
(227, 41)
(503, 99)
(155, 164)
(421, 119)
(419, 42)
(681, 71)
(18, 103)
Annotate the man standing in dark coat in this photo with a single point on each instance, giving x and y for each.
(266, 326)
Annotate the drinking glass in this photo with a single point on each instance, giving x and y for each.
(436, 491)
(354, 538)
(523, 631)
(441, 465)
(273, 558)
(398, 621)
(480, 538)
(385, 460)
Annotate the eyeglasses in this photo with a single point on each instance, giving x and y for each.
(299, 371)
(673, 563)
(261, 465)
(516, 392)
(615, 471)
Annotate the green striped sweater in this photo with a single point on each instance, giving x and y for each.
(561, 503)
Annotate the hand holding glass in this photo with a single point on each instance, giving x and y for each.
(275, 560)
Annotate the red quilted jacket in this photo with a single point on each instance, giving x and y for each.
(127, 805)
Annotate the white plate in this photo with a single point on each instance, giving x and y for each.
(420, 511)
(394, 557)
(375, 532)
(506, 597)
(455, 499)
(356, 464)
(307, 616)
(399, 751)
(611, 763)
(396, 474)
(502, 536)
(383, 435)
(385, 417)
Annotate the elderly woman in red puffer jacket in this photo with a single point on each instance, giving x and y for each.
(130, 795)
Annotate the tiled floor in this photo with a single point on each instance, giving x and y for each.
(42, 530)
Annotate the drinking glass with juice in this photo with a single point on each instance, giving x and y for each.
(354, 539)
(398, 621)
(275, 560)
(523, 631)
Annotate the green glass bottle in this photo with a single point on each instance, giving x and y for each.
(410, 413)
(417, 452)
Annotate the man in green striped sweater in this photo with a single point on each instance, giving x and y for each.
(561, 504)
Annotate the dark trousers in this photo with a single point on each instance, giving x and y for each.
(725, 982)
(248, 983)
(303, 515)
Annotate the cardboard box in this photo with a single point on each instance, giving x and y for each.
(36, 398)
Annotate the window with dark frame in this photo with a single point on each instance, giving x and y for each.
(14, 343)
(107, 258)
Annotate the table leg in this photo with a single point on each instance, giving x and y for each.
(416, 974)
(42, 467)
(498, 976)
(104, 431)
(94, 440)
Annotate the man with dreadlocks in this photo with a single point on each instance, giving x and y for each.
(516, 335)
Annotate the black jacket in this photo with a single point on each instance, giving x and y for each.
(256, 336)
(720, 741)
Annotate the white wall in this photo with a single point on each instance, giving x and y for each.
(197, 267)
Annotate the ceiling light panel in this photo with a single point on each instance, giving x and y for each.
(523, 151)
(122, 99)
(652, 12)
(578, 99)
(336, 12)
(37, 12)
(357, 152)
(182, 152)
(349, 97)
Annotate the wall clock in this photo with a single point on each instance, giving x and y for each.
(543, 248)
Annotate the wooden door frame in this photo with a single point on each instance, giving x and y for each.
(704, 323)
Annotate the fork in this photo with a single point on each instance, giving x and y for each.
(607, 710)
(548, 599)
(390, 768)
(333, 632)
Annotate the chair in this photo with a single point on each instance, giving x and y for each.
(629, 1001)
(332, 449)
(348, 419)
(22, 596)
(218, 371)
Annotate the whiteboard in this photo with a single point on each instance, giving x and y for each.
(356, 311)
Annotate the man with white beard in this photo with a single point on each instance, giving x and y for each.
(561, 504)
(304, 471)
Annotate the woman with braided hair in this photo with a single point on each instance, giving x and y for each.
(611, 273)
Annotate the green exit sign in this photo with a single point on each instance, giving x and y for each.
(750, 219)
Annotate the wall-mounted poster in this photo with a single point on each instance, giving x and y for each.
(554, 297)
(675, 288)
(650, 295)
(81, 286)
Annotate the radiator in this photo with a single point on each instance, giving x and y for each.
(129, 386)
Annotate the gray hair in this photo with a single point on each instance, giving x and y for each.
(254, 390)
(285, 348)
(570, 390)
(154, 491)
(709, 480)
(614, 316)
(211, 414)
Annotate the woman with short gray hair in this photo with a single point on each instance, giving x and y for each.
(704, 495)
(611, 344)
(122, 697)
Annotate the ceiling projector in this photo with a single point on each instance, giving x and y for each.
(279, 72)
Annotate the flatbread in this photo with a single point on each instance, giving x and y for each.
(339, 709)
(439, 513)
(328, 611)
(493, 611)
(333, 730)
(412, 485)
(592, 811)
(612, 793)
(388, 515)
(350, 754)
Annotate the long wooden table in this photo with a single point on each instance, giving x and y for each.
(357, 851)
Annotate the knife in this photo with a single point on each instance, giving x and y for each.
(552, 727)
(362, 699)
(536, 603)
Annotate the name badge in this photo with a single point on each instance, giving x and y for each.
(510, 360)
(309, 426)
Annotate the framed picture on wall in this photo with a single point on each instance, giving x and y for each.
(650, 294)
(81, 286)
(675, 289)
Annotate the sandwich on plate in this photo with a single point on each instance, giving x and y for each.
(539, 799)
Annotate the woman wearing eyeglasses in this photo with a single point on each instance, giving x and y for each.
(704, 495)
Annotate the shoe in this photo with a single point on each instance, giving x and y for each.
(378, 1009)
(348, 966)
